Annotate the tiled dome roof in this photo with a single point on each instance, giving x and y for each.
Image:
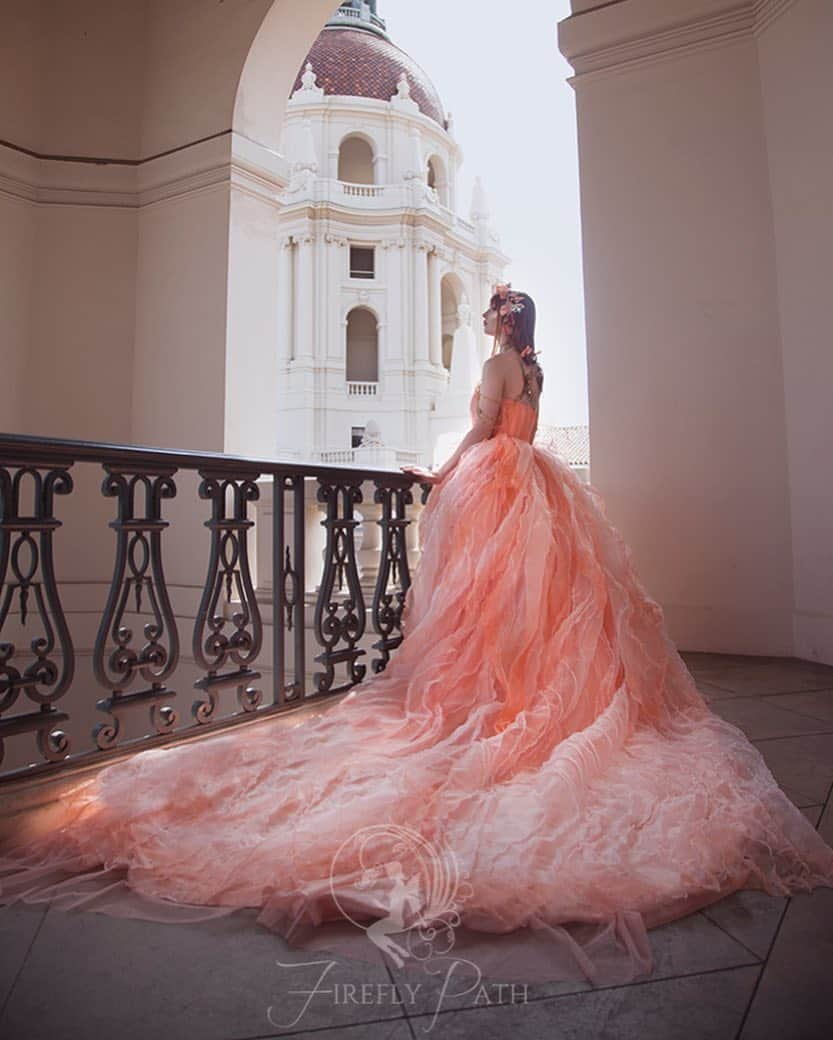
(357, 63)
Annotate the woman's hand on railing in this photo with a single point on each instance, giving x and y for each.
(424, 476)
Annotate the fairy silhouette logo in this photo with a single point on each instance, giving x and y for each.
(405, 893)
(414, 886)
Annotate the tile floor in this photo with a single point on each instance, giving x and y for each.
(751, 967)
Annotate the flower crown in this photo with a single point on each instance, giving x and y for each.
(512, 303)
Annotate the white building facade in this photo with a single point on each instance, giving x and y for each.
(381, 344)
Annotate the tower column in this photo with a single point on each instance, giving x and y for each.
(285, 300)
(420, 323)
(393, 256)
(304, 316)
(435, 313)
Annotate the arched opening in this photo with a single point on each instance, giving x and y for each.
(362, 349)
(438, 179)
(451, 298)
(355, 160)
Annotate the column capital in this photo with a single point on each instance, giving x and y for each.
(606, 37)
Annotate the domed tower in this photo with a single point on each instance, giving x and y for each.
(382, 281)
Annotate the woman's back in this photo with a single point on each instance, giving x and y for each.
(520, 400)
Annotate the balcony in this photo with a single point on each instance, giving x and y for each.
(402, 195)
(357, 388)
(244, 577)
(363, 191)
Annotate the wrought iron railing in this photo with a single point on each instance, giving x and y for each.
(37, 649)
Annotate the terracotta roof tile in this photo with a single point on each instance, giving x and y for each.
(358, 63)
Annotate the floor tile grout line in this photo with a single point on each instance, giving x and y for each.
(784, 736)
(757, 963)
(396, 987)
(779, 707)
(323, 1030)
(824, 804)
(771, 693)
(19, 971)
(793, 736)
(764, 966)
(777, 930)
(734, 938)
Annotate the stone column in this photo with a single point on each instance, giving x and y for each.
(435, 311)
(420, 297)
(285, 300)
(394, 343)
(705, 510)
(304, 311)
(368, 541)
(334, 332)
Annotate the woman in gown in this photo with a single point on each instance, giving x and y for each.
(535, 762)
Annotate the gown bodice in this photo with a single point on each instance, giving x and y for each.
(517, 417)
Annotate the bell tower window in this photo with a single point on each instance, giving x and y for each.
(362, 262)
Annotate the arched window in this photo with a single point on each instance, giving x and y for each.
(448, 349)
(438, 179)
(355, 161)
(362, 355)
(451, 295)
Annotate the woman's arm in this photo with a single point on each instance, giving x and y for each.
(488, 409)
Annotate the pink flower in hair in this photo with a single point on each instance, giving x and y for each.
(526, 351)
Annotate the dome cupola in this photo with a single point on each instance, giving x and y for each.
(353, 56)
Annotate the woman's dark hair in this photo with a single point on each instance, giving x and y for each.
(519, 327)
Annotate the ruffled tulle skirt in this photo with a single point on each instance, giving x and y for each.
(532, 784)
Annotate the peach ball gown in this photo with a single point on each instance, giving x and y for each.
(536, 730)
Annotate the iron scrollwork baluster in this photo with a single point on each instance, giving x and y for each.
(43, 680)
(393, 567)
(137, 571)
(228, 571)
(288, 587)
(331, 626)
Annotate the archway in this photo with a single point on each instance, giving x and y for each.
(452, 298)
(361, 355)
(256, 322)
(356, 160)
(438, 179)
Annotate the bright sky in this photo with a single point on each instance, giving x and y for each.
(500, 73)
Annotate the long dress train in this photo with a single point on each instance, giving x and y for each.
(535, 761)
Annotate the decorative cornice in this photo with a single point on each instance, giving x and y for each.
(767, 11)
(381, 115)
(99, 160)
(630, 34)
(180, 173)
(396, 225)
